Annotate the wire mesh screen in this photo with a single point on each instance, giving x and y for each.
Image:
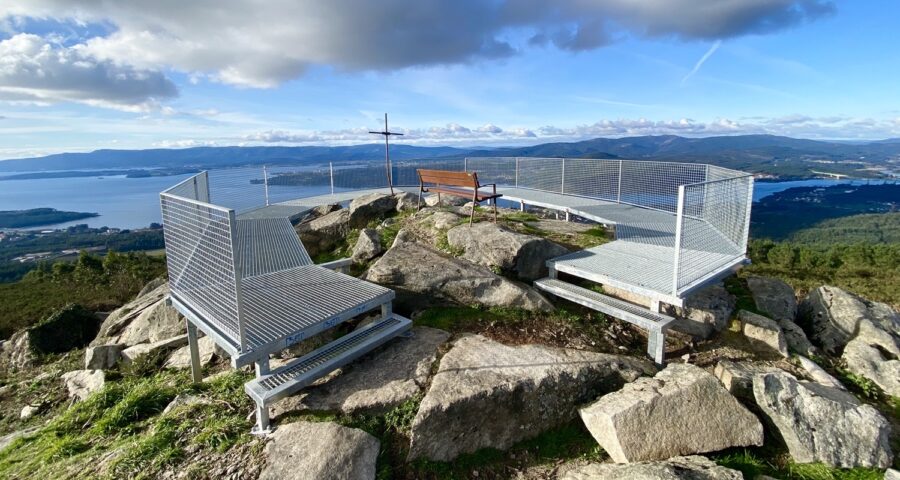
(541, 174)
(499, 170)
(195, 188)
(293, 182)
(655, 184)
(240, 189)
(404, 171)
(593, 178)
(201, 263)
(713, 226)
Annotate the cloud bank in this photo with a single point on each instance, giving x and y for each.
(250, 43)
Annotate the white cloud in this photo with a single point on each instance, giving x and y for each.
(34, 70)
(262, 44)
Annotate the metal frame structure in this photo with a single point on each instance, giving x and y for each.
(248, 283)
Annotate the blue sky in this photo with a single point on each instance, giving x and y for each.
(80, 75)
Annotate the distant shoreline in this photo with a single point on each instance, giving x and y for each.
(39, 217)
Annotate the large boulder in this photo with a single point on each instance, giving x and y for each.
(423, 276)
(365, 208)
(181, 357)
(705, 312)
(377, 383)
(442, 220)
(764, 331)
(678, 468)
(445, 200)
(493, 246)
(15, 353)
(683, 410)
(101, 357)
(875, 354)
(818, 374)
(406, 201)
(834, 316)
(134, 352)
(323, 233)
(320, 450)
(823, 424)
(147, 318)
(773, 297)
(737, 377)
(486, 394)
(778, 300)
(82, 383)
(368, 246)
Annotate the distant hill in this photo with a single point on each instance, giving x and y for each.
(782, 156)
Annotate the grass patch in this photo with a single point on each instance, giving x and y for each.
(755, 462)
(737, 286)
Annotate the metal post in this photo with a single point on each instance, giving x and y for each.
(465, 164)
(239, 296)
(266, 183)
(196, 372)
(679, 220)
(619, 188)
(562, 187)
(746, 230)
(331, 176)
(517, 179)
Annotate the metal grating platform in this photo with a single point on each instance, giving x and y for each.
(303, 371)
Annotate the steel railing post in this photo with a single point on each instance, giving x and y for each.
(562, 187)
(746, 232)
(619, 187)
(465, 164)
(517, 172)
(266, 183)
(238, 290)
(679, 222)
(331, 176)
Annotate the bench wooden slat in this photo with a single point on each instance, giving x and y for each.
(445, 177)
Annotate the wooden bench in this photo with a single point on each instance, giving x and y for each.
(458, 184)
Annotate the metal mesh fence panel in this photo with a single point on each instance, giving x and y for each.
(201, 262)
(499, 170)
(714, 224)
(404, 171)
(541, 174)
(240, 189)
(655, 184)
(593, 178)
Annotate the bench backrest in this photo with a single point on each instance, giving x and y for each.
(448, 178)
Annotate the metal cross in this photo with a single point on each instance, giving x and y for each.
(387, 155)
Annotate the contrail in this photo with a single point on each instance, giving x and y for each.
(703, 59)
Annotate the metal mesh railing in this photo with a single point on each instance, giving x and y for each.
(713, 222)
(200, 255)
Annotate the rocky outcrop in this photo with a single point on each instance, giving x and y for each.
(682, 410)
(322, 234)
(368, 246)
(486, 394)
(679, 468)
(737, 377)
(442, 220)
(493, 246)
(145, 319)
(381, 381)
(705, 312)
(818, 374)
(406, 201)
(209, 351)
(134, 352)
(313, 451)
(823, 424)
(422, 277)
(366, 208)
(835, 315)
(764, 331)
(82, 383)
(875, 354)
(773, 297)
(445, 200)
(70, 327)
(101, 357)
(15, 353)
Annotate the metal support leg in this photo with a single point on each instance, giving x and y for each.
(196, 372)
(567, 216)
(656, 345)
(521, 206)
(262, 426)
(552, 273)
